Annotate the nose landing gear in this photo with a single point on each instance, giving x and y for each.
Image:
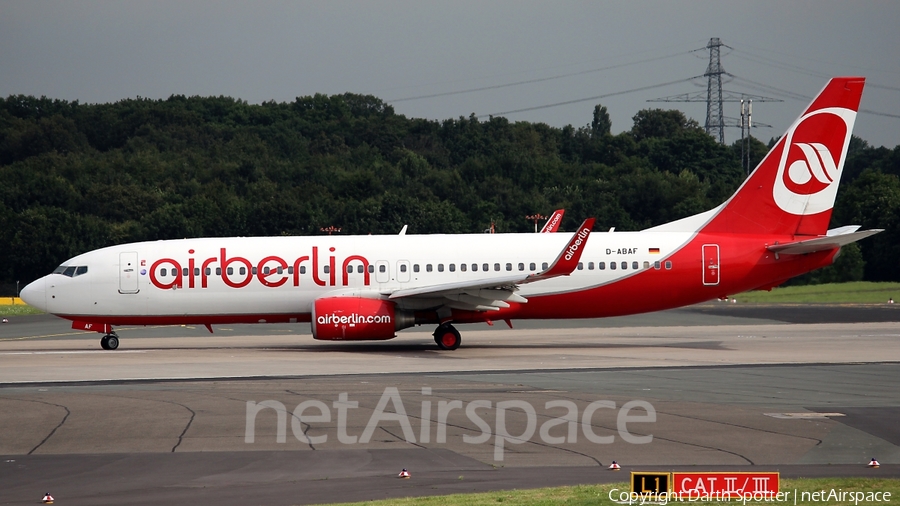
(109, 341)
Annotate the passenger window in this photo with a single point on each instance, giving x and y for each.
(656, 265)
(462, 267)
(253, 271)
(175, 271)
(196, 271)
(427, 267)
(81, 270)
(280, 269)
(634, 265)
(624, 265)
(291, 269)
(580, 266)
(219, 271)
(208, 271)
(508, 267)
(359, 269)
(302, 269)
(668, 265)
(326, 269)
(415, 267)
(484, 267)
(646, 265)
(474, 267)
(371, 269)
(243, 270)
(349, 269)
(531, 266)
(544, 266)
(452, 267)
(521, 266)
(162, 272)
(402, 267)
(497, 267)
(184, 271)
(612, 266)
(381, 268)
(601, 266)
(590, 266)
(229, 270)
(440, 267)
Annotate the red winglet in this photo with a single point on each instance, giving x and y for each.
(569, 257)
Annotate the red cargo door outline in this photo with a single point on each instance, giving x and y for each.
(711, 271)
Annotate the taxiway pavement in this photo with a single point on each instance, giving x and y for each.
(218, 419)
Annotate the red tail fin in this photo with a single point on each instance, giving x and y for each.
(553, 222)
(792, 190)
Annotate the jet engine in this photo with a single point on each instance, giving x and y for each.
(358, 319)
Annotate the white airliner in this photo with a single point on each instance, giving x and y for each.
(773, 228)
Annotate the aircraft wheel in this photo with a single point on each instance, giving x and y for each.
(447, 337)
(109, 342)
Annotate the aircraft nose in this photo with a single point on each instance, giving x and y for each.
(35, 294)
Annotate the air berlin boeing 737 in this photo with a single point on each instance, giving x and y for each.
(773, 228)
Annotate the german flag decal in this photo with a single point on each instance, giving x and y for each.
(654, 251)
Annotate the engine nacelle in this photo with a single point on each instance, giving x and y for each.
(357, 319)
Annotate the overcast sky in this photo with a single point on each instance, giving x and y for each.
(528, 54)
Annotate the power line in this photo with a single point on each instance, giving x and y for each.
(598, 97)
(537, 80)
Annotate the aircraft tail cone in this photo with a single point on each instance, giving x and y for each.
(403, 474)
(615, 466)
(874, 464)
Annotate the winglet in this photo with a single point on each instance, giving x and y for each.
(553, 222)
(569, 257)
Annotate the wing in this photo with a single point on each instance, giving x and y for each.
(491, 294)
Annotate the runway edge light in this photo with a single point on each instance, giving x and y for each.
(403, 474)
(615, 466)
(48, 499)
(874, 463)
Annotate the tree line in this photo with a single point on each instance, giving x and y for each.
(75, 177)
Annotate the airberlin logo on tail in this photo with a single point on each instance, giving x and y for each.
(814, 172)
(812, 155)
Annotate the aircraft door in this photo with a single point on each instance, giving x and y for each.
(403, 271)
(382, 271)
(711, 271)
(128, 272)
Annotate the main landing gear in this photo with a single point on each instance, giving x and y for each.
(447, 337)
(109, 341)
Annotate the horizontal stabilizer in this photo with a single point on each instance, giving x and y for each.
(822, 243)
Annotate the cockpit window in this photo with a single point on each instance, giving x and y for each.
(71, 270)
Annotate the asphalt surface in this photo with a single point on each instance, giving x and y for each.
(806, 391)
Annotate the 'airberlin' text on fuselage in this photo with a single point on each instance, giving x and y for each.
(271, 271)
